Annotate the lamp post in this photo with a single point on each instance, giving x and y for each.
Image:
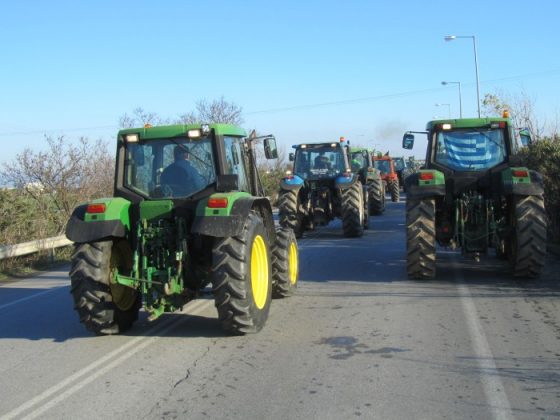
(451, 38)
(460, 101)
(448, 109)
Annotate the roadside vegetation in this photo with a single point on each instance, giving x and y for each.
(543, 155)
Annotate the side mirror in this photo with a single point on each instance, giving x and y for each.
(270, 149)
(292, 157)
(408, 141)
(525, 137)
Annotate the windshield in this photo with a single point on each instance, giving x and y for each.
(357, 161)
(399, 164)
(173, 168)
(319, 162)
(383, 165)
(470, 150)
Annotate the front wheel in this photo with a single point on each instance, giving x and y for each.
(242, 278)
(103, 307)
(285, 264)
(529, 243)
(420, 239)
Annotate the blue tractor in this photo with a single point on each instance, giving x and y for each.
(322, 187)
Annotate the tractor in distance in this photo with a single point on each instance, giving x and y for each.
(411, 165)
(320, 188)
(400, 166)
(188, 217)
(386, 165)
(472, 193)
(362, 165)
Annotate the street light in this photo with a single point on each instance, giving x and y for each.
(448, 109)
(460, 101)
(451, 38)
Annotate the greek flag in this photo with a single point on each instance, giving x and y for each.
(469, 152)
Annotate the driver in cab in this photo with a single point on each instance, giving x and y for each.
(322, 162)
(180, 176)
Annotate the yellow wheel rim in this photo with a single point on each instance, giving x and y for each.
(293, 263)
(259, 272)
(123, 297)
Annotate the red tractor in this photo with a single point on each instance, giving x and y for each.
(386, 166)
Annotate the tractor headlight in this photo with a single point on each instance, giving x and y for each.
(194, 134)
(131, 138)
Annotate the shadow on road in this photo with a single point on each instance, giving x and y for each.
(48, 314)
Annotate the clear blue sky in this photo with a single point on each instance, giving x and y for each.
(74, 67)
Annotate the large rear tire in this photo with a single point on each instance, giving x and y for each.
(376, 192)
(103, 307)
(352, 211)
(529, 242)
(288, 211)
(420, 239)
(394, 190)
(285, 263)
(242, 278)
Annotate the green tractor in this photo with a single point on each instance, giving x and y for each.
(189, 217)
(472, 193)
(362, 165)
(322, 187)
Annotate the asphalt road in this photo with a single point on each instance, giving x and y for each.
(358, 340)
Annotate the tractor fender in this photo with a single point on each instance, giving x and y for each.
(344, 182)
(290, 184)
(416, 191)
(535, 186)
(114, 222)
(232, 224)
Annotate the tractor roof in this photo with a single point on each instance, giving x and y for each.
(316, 145)
(467, 122)
(354, 149)
(164, 131)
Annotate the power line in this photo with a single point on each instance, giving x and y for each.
(310, 106)
(393, 95)
(55, 130)
(343, 102)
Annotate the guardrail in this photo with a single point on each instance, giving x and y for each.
(26, 248)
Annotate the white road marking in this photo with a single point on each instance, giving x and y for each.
(490, 376)
(100, 366)
(25, 299)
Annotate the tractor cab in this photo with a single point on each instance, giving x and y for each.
(319, 161)
(178, 162)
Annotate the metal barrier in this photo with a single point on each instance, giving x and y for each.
(9, 251)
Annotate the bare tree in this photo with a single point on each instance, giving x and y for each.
(139, 118)
(59, 179)
(521, 108)
(216, 111)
